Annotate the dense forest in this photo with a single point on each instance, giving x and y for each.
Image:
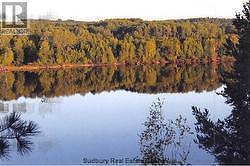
(118, 41)
(144, 79)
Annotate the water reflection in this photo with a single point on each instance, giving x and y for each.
(14, 128)
(107, 125)
(143, 79)
(228, 139)
(162, 141)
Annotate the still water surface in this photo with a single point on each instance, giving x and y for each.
(109, 123)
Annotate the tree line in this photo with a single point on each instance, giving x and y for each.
(117, 41)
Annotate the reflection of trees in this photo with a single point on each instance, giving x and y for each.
(229, 139)
(13, 127)
(162, 141)
(145, 79)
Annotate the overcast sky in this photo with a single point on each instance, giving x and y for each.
(145, 9)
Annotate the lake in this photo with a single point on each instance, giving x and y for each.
(126, 115)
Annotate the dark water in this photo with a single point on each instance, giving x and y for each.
(126, 115)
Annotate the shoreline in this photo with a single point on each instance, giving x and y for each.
(35, 67)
